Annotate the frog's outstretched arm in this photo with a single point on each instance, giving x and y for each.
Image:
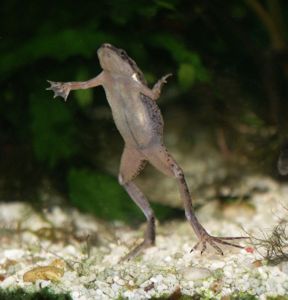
(63, 89)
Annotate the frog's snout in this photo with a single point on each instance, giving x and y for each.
(106, 50)
(106, 45)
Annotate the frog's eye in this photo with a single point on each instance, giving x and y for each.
(122, 53)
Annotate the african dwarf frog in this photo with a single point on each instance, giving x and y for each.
(139, 121)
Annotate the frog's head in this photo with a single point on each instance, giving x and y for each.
(117, 61)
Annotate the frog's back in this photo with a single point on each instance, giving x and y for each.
(137, 117)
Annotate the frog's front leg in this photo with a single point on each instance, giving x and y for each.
(63, 89)
(155, 92)
(158, 86)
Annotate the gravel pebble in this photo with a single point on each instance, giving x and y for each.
(194, 273)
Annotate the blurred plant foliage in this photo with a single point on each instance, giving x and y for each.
(84, 97)
(60, 45)
(43, 294)
(203, 42)
(190, 69)
(53, 130)
(101, 195)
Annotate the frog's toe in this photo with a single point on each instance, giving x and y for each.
(164, 78)
(60, 89)
(167, 76)
(60, 93)
(138, 249)
(214, 241)
(53, 85)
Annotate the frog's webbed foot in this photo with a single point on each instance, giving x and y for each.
(60, 89)
(158, 85)
(213, 241)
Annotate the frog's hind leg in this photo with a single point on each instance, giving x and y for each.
(159, 157)
(132, 163)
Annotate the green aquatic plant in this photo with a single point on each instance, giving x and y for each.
(274, 243)
(43, 294)
(100, 194)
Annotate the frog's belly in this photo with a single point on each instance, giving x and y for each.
(139, 122)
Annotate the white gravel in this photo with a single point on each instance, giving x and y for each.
(93, 268)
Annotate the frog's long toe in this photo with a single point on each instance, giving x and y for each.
(137, 250)
(213, 241)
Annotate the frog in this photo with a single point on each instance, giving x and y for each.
(138, 118)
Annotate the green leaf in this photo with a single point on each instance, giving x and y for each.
(186, 76)
(52, 128)
(252, 120)
(101, 195)
(60, 45)
(168, 4)
(191, 68)
(83, 97)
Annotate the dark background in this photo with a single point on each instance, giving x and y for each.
(230, 65)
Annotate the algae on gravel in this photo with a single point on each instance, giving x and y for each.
(43, 294)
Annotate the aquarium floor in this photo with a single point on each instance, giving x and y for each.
(88, 252)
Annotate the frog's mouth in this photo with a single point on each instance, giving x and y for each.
(109, 46)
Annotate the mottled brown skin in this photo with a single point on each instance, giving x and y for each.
(139, 121)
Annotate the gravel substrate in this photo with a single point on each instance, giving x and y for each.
(55, 248)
